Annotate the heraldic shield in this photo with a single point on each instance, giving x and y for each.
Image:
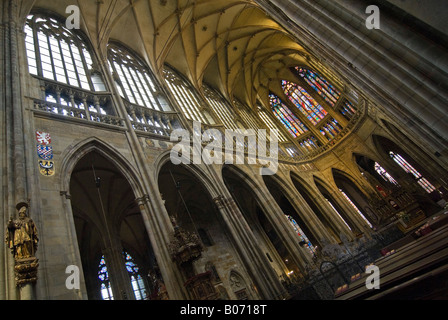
(46, 168)
(45, 152)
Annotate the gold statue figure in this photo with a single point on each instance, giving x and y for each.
(21, 236)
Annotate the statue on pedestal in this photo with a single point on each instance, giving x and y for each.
(22, 239)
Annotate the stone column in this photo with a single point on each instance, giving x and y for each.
(13, 137)
(266, 279)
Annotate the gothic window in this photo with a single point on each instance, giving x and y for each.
(331, 129)
(138, 285)
(307, 105)
(384, 174)
(302, 237)
(134, 80)
(58, 54)
(425, 184)
(220, 107)
(103, 277)
(286, 117)
(186, 99)
(328, 92)
(347, 109)
(270, 124)
(309, 144)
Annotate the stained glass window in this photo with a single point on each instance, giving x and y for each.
(355, 207)
(304, 102)
(309, 143)
(271, 125)
(331, 129)
(56, 53)
(347, 109)
(425, 184)
(286, 117)
(384, 174)
(303, 238)
(103, 276)
(137, 282)
(329, 93)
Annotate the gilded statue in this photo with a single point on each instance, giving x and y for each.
(21, 235)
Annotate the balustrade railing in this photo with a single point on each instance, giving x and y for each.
(152, 121)
(75, 103)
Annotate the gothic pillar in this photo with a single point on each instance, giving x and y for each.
(268, 284)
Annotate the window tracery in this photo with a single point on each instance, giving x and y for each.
(307, 105)
(186, 99)
(58, 54)
(134, 79)
(406, 166)
(294, 126)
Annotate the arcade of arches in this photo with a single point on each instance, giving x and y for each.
(99, 123)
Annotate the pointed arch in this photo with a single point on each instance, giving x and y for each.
(77, 151)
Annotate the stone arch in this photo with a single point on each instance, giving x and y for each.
(105, 216)
(328, 193)
(253, 202)
(77, 151)
(355, 194)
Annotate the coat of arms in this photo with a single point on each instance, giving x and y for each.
(45, 152)
(46, 168)
(43, 138)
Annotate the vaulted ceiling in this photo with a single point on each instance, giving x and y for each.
(231, 45)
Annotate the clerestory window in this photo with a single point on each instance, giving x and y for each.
(134, 80)
(59, 54)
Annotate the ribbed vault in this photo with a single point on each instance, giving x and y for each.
(232, 45)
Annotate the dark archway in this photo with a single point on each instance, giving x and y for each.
(108, 224)
(249, 205)
(313, 203)
(335, 205)
(354, 196)
(288, 209)
(189, 200)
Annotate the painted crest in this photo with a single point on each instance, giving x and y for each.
(43, 138)
(45, 152)
(46, 168)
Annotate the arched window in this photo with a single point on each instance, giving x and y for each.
(103, 276)
(328, 92)
(220, 107)
(331, 129)
(58, 54)
(425, 184)
(138, 285)
(187, 100)
(304, 102)
(271, 124)
(302, 237)
(347, 109)
(384, 174)
(286, 117)
(134, 80)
